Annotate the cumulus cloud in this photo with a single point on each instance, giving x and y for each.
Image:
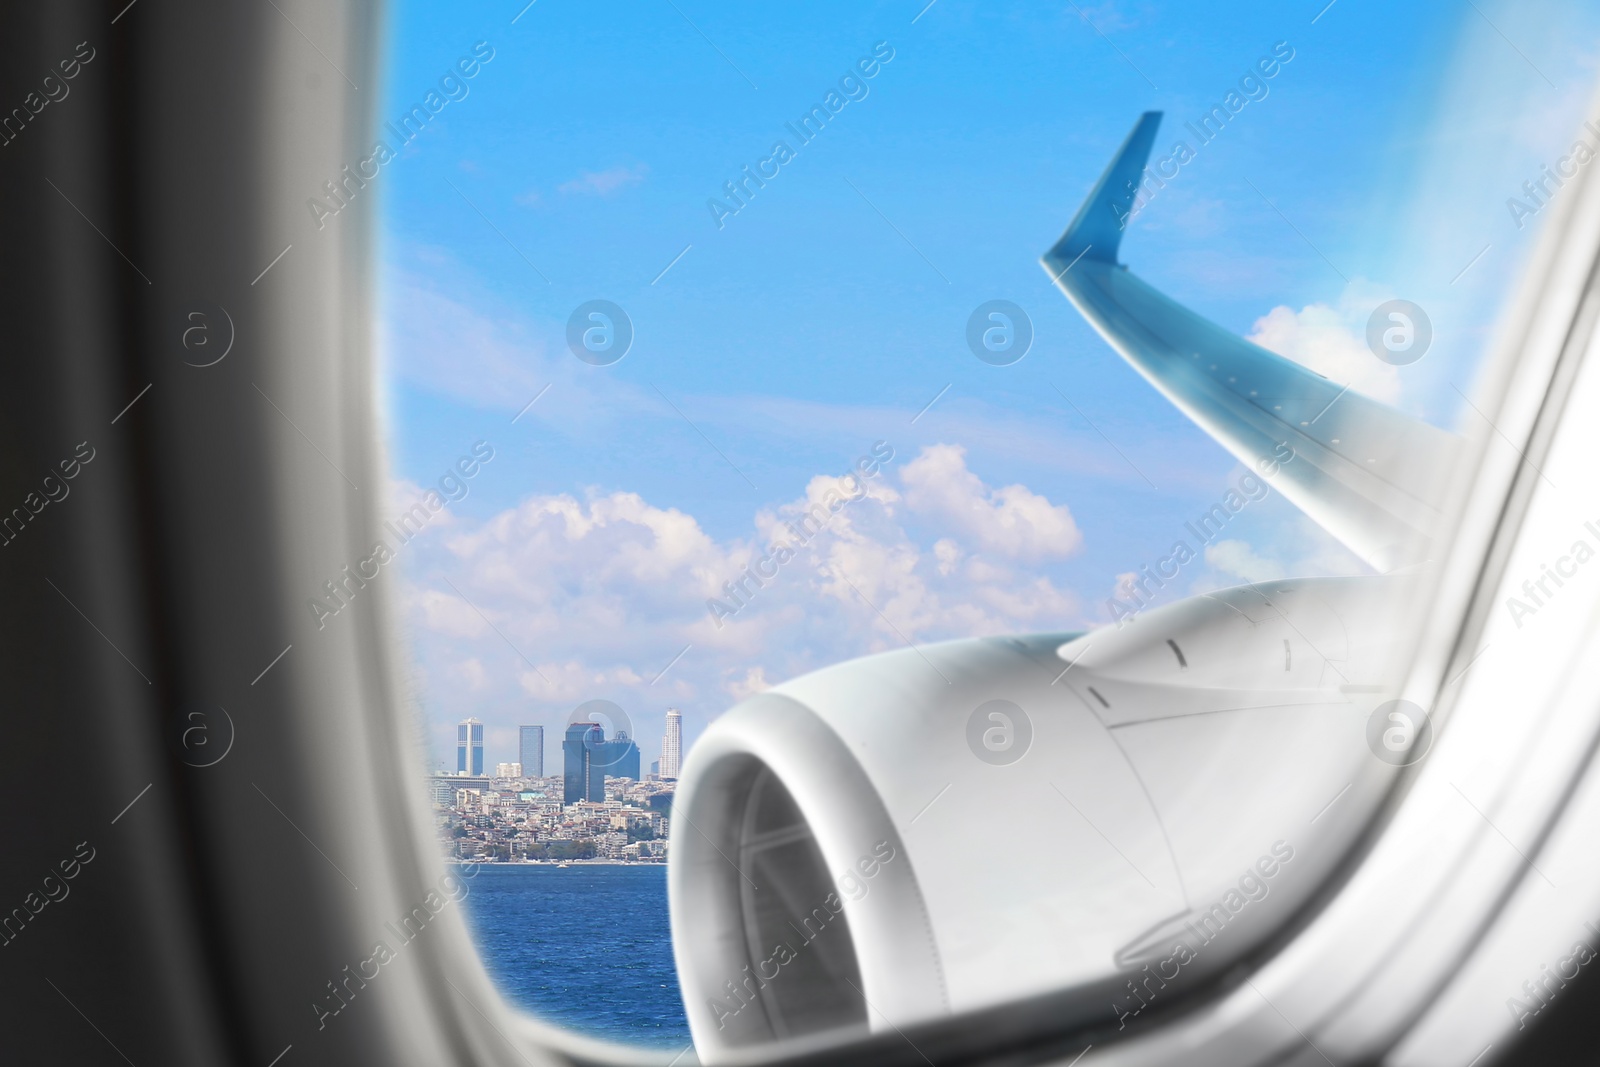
(1332, 342)
(754, 681)
(1012, 521)
(594, 596)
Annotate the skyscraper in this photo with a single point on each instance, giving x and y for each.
(588, 759)
(579, 780)
(672, 744)
(469, 747)
(619, 757)
(530, 750)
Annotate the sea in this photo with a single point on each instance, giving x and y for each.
(588, 947)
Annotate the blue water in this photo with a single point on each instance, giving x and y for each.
(587, 947)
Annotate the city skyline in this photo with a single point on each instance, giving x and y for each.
(524, 743)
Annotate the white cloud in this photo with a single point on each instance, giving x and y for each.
(601, 592)
(754, 681)
(1237, 558)
(1013, 521)
(1330, 342)
(571, 681)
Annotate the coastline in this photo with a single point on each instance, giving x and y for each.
(552, 863)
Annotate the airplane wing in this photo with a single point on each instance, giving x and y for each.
(1371, 476)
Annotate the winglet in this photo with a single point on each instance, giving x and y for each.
(1096, 232)
(1370, 475)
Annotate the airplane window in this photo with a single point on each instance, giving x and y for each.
(823, 618)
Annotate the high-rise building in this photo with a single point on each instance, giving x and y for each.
(620, 757)
(469, 747)
(577, 769)
(530, 750)
(672, 745)
(508, 770)
(588, 759)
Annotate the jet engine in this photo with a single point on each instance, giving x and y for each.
(946, 828)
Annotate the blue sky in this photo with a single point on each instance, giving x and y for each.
(825, 314)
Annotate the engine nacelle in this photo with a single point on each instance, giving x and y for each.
(945, 828)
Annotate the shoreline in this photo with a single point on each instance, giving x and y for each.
(553, 863)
